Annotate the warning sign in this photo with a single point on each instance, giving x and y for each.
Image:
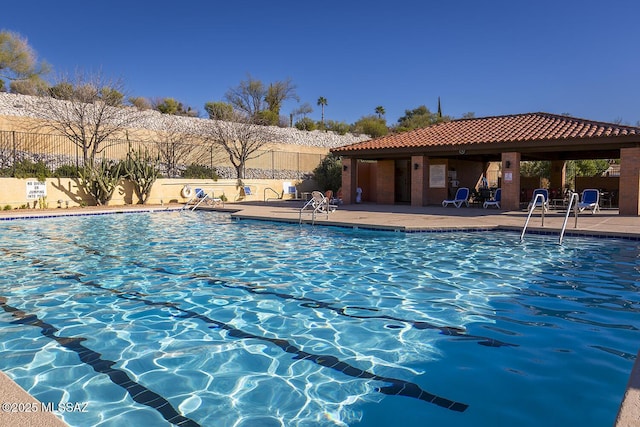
(36, 189)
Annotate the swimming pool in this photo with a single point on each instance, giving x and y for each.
(200, 320)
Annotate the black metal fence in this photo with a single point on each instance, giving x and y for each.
(20, 151)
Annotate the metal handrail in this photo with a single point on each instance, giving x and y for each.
(272, 190)
(186, 205)
(574, 196)
(531, 209)
(200, 202)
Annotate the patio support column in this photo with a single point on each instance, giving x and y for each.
(629, 199)
(349, 180)
(419, 168)
(510, 199)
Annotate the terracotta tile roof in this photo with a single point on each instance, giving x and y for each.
(500, 129)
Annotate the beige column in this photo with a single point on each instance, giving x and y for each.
(510, 181)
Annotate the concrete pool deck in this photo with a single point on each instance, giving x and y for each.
(606, 223)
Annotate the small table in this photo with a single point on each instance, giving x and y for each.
(306, 196)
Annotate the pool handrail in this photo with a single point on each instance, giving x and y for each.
(574, 196)
(532, 207)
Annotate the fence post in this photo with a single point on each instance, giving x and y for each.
(273, 165)
(13, 140)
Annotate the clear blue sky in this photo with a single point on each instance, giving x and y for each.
(580, 57)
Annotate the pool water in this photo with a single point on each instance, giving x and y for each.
(195, 319)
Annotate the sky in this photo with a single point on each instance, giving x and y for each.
(491, 57)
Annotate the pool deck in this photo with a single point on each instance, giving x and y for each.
(606, 223)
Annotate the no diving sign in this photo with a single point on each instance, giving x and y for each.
(36, 189)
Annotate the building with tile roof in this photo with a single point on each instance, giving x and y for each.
(424, 166)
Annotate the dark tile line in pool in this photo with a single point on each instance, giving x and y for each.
(138, 392)
(65, 215)
(396, 387)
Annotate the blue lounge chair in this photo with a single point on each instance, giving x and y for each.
(199, 194)
(462, 196)
(590, 200)
(495, 201)
(544, 204)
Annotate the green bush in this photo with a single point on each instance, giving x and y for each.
(372, 126)
(66, 171)
(27, 169)
(341, 128)
(328, 174)
(194, 171)
(305, 123)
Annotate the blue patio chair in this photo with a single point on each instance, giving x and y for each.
(495, 201)
(199, 194)
(544, 204)
(462, 196)
(590, 200)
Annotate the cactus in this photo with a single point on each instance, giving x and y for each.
(142, 170)
(100, 181)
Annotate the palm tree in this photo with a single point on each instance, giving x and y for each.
(380, 111)
(322, 101)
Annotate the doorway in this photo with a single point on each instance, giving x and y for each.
(402, 181)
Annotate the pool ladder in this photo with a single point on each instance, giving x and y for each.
(195, 197)
(573, 202)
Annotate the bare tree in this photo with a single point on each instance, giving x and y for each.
(240, 139)
(247, 97)
(256, 100)
(279, 92)
(177, 144)
(89, 111)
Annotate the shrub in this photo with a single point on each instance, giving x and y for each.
(341, 128)
(328, 174)
(305, 123)
(66, 171)
(27, 169)
(194, 171)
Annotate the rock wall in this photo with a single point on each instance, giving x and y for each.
(24, 105)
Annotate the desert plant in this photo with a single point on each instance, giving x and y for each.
(142, 170)
(42, 202)
(101, 181)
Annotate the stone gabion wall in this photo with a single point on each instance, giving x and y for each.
(23, 106)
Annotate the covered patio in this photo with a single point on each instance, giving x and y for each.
(423, 166)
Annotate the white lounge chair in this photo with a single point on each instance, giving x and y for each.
(495, 201)
(317, 204)
(590, 200)
(544, 203)
(462, 196)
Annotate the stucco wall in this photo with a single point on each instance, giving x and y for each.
(13, 191)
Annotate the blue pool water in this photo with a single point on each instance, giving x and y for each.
(195, 319)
